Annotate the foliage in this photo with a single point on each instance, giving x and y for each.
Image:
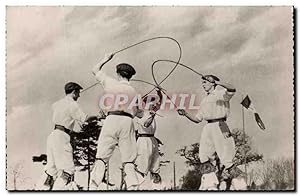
(85, 143)
(278, 174)
(244, 154)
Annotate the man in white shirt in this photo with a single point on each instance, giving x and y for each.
(216, 136)
(118, 126)
(147, 144)
(60, 165)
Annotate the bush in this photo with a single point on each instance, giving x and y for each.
(278, 174)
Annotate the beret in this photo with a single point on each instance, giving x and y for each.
(210, 78)
(124, 67)
(70, 86)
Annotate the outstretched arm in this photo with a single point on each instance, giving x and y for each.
(192, 118)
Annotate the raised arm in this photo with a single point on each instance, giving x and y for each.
(149, 120)
(99, 65)
(229, 87)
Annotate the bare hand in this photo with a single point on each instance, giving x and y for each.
(152, 113)
(181, 112)
(226, 134)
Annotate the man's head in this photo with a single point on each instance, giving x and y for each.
(209, 82)
(125, 70)
(140, 113)
(73, 89)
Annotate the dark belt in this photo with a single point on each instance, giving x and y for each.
(217, 120)
(223, 125)
(62, 128)
(149, 135)
(145, 135)
(120, 113)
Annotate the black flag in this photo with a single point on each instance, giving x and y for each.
(249, 106)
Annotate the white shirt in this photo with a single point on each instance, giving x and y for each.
(66, 111)
(215, 105)
(145, 130)
(116, 87)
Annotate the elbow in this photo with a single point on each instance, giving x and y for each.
(232, 90)
(146, 125)
(197, 122)
(95, 70)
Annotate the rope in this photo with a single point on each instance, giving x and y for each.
(162, 90)
(90, 87)
(157, 84)
(141, 42)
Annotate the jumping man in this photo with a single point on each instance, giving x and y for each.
(118, 126)
(216, 136)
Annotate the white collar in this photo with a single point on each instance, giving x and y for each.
(69, 98)
(124, 81)
(213, 92)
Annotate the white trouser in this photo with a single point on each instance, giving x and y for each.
(59, 153)
(148, 155)
(212, 140)
(40, 185)
(59, 158)
(116, 130)
(62, 184)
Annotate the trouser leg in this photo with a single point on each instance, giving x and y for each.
(106, 145)
(46, 181)
(128, 149)
(225, 147)
(97, 174)
(50, 167)
(65, 181)
(144, 151)
(206, 145)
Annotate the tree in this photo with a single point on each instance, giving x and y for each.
(85, 144)
(244, 155)
(17, 178)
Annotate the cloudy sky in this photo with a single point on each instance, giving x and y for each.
(250, 47)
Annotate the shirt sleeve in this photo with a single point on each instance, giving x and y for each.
(224, 94)
(199, 115)
(104, 79)
(141, 121)
(77, 114)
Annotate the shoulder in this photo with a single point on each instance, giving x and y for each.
(71, 104)
(131, 88)
(57, 103)
(100, 73)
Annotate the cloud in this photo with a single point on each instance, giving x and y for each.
(245, 14)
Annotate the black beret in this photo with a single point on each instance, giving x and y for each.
(124, 67)
(70, 86)
(210, 78)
